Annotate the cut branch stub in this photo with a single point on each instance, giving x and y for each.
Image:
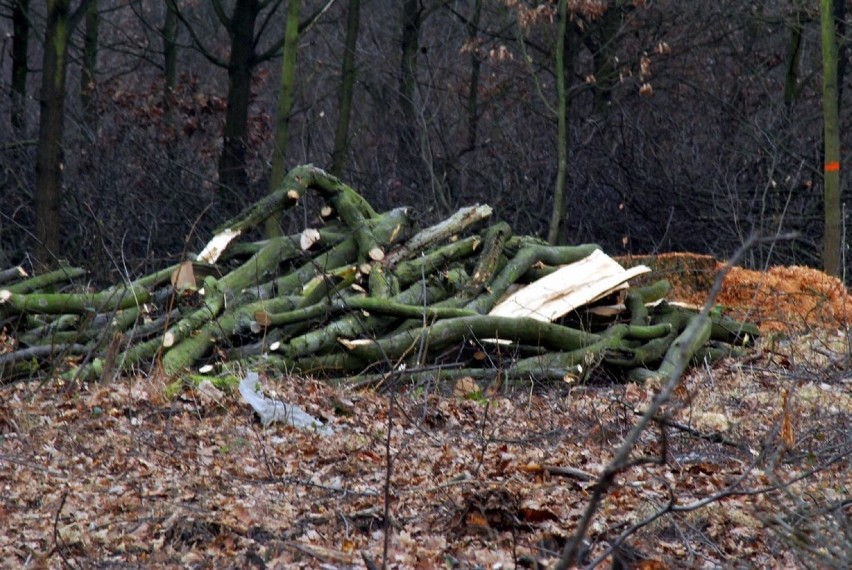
(454, 225)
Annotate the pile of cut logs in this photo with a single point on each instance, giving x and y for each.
(363, 294)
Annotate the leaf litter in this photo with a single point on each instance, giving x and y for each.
(756, 452)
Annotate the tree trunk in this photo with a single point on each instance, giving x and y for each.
(833, 239)
(169, 33)
(794, 57)
(475, 66)
(20, 48)
(347, 87)
(88, 80)
(232, 162)
(49, 163)
(604, 53)
(842, 46)
(563, 58)
(285, 104)
(407, 134)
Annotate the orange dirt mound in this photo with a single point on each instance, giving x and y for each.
(788, 299)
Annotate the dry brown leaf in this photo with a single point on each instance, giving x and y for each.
(465, 387)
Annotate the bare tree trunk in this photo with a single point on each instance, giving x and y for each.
(407, 134)
(842, 46)
(347, 87)
(285, 103)
(603, 45)
(59, 25)
(833, 238)
(557, 219)
(794, 57)
(232, 162)
(169, 33)
(88, 80)
(49, 163)
(20, 48)
(475, 66)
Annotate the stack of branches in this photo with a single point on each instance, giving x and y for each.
(364, 295)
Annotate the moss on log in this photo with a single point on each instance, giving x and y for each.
(76, 303)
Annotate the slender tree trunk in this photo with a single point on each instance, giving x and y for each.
(832, 201)
(20, 48)
(557, 219)
(842, 46)
(475, 66)
(49, 163)
(88, 79)
(232, 162)
(407, 134)
(347, 87)
(604, 55)
(794, 56)
(285, 104)
(169, 33)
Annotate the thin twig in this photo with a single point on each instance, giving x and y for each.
(388, 473)
(621, 461)
(57, 539)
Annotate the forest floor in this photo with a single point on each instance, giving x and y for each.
(752, 468)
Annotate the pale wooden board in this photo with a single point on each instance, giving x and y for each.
(568, 288)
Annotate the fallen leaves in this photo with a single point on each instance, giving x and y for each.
(116, 474)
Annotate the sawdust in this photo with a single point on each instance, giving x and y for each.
(781, 299)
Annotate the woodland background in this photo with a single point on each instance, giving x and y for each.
(669, 125)
(690, 126)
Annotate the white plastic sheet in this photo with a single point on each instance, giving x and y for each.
(271, 410)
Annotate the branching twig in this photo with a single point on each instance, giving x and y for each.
(734, 489)
(621, 460)
(615, 544)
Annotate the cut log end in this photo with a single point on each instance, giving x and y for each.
(376, 254)
(5, 295)
(573, 374)
(184, 276)
(169, 339)
(309, 238)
